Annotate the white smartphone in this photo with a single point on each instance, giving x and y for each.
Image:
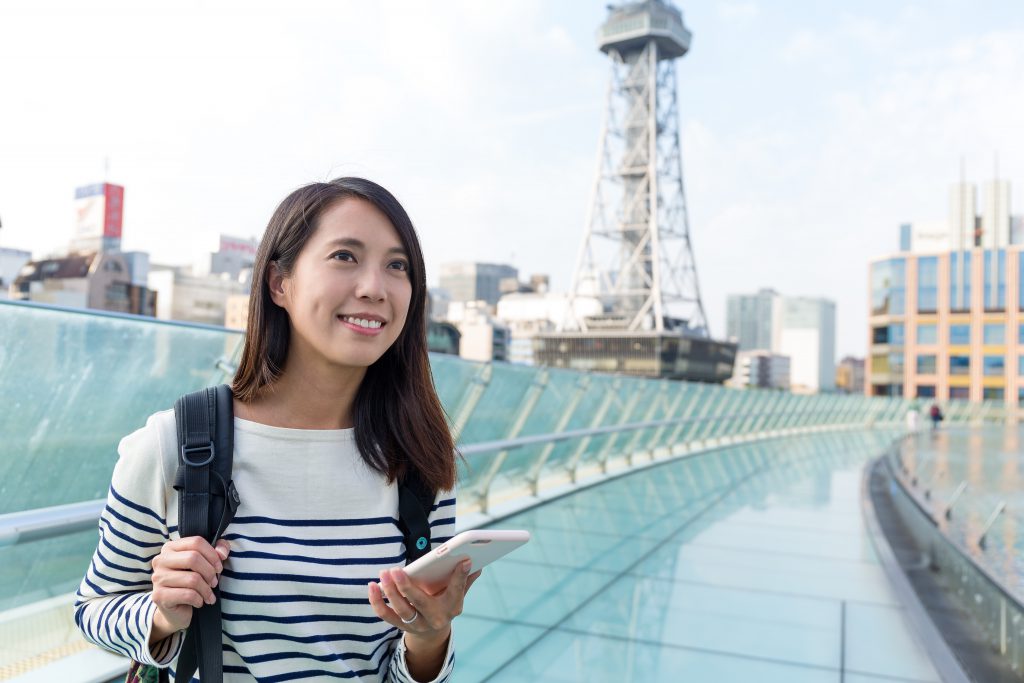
(483, 546)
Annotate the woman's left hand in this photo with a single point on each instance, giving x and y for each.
(411, 609)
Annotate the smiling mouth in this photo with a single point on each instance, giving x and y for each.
(362, 322)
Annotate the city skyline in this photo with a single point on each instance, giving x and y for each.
(809, 134)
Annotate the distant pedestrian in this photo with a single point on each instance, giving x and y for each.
(912, 419)
(936, 416)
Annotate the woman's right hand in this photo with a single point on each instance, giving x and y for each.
(184, 575)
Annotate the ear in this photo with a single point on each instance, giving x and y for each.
(276, 284)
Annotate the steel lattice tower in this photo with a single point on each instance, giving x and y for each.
(635, 306)
(636, 256)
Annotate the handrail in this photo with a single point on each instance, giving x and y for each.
(60, 520)
(48, 522)
(99, 313)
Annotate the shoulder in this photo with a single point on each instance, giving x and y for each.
(152, 445)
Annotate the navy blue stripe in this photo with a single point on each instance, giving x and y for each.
(138, 558)
(439, 522)
(135, 506)
(242, 597)
(299, 578)
(443, 503)
(121, 568)
(127, 584)
(133, 523)
(336, 562)
(314, 522)
(110, 527)
(333, 657)
(333, 638)
(310, 673)
(99, 591)
(301, 618)
(377, 540)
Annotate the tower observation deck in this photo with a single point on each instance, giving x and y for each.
(636, 258)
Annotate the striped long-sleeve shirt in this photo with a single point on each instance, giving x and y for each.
(314, 526)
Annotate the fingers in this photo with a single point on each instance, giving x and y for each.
(402, 602)
(186, 571)
(472, 579)
(381, 608)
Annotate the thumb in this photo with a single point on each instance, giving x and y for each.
(462, 575)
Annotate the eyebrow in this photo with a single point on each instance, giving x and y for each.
(358, 244)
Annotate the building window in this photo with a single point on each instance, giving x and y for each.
(926, 391)
(994, 366)
(880, 365)
(888, 287)
(896, 337)
(959, 335)
(927, 334)
(1020, 396)
(993, 394)
(1020, 365)
(1020, 330)
(960, 281)
(927, 284)
(888, 334)
(994, 333)
(959, 393)
(959, 365)
(896, 363)
(926, 365)
(995, 280)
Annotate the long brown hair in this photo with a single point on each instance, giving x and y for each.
(400, 426)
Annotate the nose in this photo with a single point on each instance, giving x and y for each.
(370, 285)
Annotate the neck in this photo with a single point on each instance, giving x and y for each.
(307, 397)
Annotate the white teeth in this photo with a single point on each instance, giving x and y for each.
(369, 324)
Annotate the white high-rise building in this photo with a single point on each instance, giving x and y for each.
(995, 216)
(804, 329)
(801, 328)
(963, 209)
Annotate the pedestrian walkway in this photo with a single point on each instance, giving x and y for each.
(751, 563)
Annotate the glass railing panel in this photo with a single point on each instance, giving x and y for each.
(615, 410)
(453, 378)
(560, 398)
(77, 383)
(591, 412)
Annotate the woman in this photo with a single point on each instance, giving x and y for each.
(333, 404)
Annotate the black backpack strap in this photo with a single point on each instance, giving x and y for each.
(207, 502)
(415, 502)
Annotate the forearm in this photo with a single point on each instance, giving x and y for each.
(425, 657)
(161, 629)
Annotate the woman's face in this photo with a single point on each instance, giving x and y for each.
(348, 295)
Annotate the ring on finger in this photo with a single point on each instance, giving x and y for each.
(415, 616)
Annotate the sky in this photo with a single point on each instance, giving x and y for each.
(810, 130)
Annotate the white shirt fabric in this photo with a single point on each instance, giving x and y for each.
(315, 525)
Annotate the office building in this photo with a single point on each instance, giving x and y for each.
(475, 281)
(748, 319)
(108, 281)
(947, 323)
(99, 213)
(760, 369)
(850, 375)
(801, 328)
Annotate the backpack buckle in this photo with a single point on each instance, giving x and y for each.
(204, 448)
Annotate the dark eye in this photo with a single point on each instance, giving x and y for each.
(399, 265)
(343, 256)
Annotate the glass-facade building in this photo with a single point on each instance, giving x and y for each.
(948, 325)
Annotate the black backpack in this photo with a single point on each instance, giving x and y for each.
(207, 501)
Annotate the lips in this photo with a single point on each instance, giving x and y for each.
(366, 324)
